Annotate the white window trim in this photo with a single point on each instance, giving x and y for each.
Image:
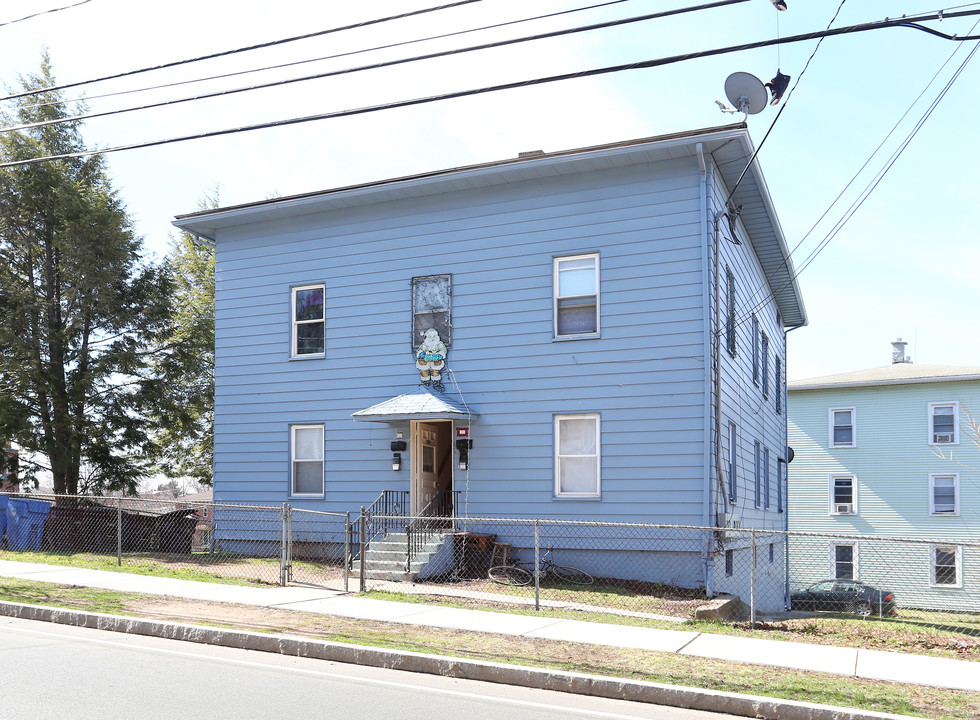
(956, 494)
(958, 550)
(956, 422)
(293, 322)
(854, 560)
(555, 297)
(598, 455)
(854, 494)
(292, 460)
(854, 427)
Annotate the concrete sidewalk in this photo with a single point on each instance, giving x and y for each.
(870, 664)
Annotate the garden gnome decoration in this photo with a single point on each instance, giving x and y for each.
(431, 359)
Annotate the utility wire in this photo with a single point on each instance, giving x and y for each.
(879, 176)
(799, 78)
(383, 64)
(43, 12)
(325, 57)
(488, 89)
(235, 51)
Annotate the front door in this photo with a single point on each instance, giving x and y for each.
(431, 461)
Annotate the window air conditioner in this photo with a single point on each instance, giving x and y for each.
(843, 508)
(942, 437)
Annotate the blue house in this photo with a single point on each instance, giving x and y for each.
(892, 452)
(593, 334)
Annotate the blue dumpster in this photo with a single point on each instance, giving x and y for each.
(25, 523)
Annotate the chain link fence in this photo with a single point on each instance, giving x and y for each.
(627, 569)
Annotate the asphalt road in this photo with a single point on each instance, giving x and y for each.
(55, 671)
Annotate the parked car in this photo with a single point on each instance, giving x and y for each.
(846, 596)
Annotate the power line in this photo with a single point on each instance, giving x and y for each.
(235, 51)
(327, 57)
(488, 89)
(383, 64)
(43, 12)
(799, 78)
(879, 176)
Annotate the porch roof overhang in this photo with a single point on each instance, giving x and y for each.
(423, 404)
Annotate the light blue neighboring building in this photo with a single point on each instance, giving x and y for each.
(892, 451)
(612, 331)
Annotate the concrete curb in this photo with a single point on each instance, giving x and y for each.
(595, 685)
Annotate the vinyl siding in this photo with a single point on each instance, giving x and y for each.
(892, 460)
(742, 401)
(891, 463)
(645, 375)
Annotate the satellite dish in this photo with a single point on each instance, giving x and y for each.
(746, 92)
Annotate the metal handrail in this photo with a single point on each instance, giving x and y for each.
(384, 514)
(432, 519)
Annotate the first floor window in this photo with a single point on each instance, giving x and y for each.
(729, 562)
(758, 474)
(577, 455)
(765, 475)
(843, 559)
(944, 494)
(306, 448)
(307, 313)
(576, 290)
(732, 459)
(781, 475)
(946, 565)
(842, 495)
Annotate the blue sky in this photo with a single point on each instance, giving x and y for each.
(903, 266)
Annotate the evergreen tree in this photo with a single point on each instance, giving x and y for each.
(82, 315)
(185, 417)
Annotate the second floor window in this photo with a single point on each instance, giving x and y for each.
(576, 290)
(307, 313)
(730, 338)
(944, 423)
(432, 307)
(842, 427)
(765, 365)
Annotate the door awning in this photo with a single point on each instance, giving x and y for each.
(421, 405)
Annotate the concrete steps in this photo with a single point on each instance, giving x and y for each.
(386, 559)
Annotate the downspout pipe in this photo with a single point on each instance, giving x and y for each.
(707, 549)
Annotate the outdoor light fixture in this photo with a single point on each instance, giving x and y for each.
(397, 448)
(463, 445)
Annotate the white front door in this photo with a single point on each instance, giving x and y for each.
(428, 462)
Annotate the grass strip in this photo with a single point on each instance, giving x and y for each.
(576, 657)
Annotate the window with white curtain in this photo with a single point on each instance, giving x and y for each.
(577, 455)
(306, 450)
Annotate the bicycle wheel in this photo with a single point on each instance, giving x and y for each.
(571, 575)
(509, 575)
